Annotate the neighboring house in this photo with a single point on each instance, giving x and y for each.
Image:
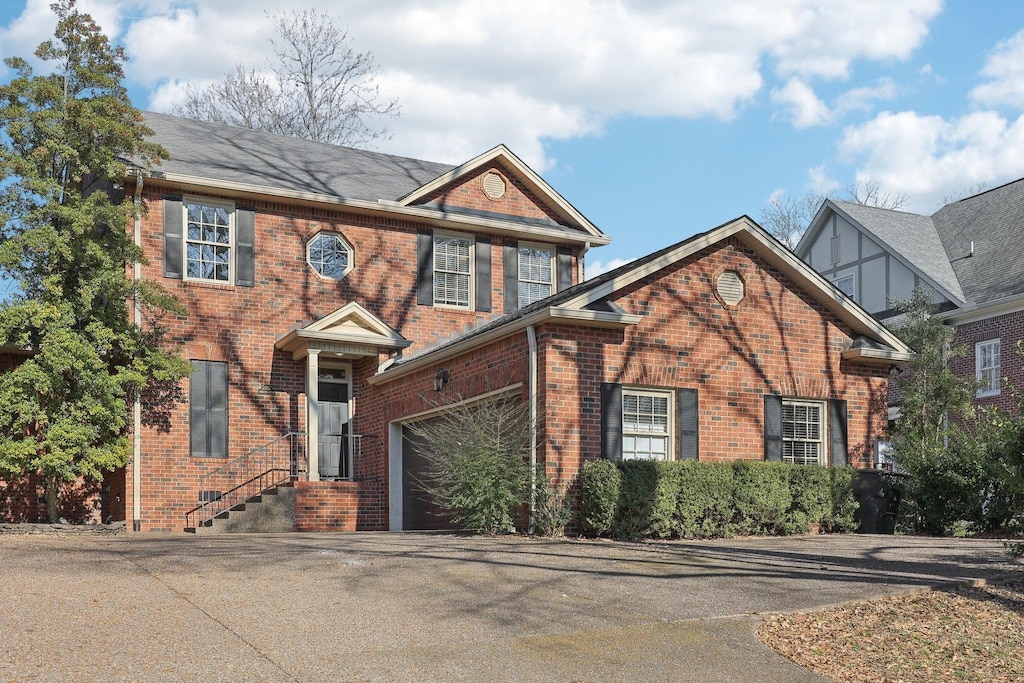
(335, 296)
(965, 255)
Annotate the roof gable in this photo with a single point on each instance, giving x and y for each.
(549, 206)
(351, 330)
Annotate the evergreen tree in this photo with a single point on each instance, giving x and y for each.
(65, 140)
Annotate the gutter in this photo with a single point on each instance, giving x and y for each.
(973, 312)
(531, 336)
(571, 316)
(443, 219)
(137, 407)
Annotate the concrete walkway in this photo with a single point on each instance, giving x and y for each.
(435, 607)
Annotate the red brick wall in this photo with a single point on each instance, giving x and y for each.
(239, 325)
(1008, 329)
(776, 340)
(468, 192)
(340, 506)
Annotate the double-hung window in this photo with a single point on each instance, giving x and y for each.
(536, 273)
(987, 367)
(453, 270)
(803, 432)
(847, 285)
(646, 425)
(208, 241)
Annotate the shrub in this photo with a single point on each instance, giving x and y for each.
(704, 506)
(551, 512)
(810, 488)
(841, 515)
(600, 481)
(636, 504)
(762, 496)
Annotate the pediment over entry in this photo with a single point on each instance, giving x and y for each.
(349, 332)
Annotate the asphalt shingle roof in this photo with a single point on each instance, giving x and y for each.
(913, 237)
(220, 152)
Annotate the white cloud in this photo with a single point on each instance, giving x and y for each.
(1005, 71)
(595, 268)
(929, 157)
(820, 181)
(865, 97)
(804, 106)
(467, 73)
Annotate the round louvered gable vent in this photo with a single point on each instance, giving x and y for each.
(730, 287)
(494, 186)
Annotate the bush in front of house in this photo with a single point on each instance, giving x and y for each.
(690, 499)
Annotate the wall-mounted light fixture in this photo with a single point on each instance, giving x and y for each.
(441, 378)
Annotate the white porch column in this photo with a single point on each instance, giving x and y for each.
(313, 413)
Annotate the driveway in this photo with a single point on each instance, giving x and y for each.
(436, 607)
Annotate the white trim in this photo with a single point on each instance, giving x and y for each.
(553, 269)
(526, 174)
(471, 274)
(670, 408)
(979, 371)
(200, 200)
(572, 316)
(973, 312)
(883, 356)
(362, 206)
(823, 420)
(351, 254)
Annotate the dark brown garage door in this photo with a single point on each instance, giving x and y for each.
(418, 510)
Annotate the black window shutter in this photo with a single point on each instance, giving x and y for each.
(611, 421)
(687, 425)
(208, 409)
(172, 237)
(564, 263)
(837, 432)
(245, 247)
(511, 259)
(773, 427)
(483, 274)
(425, 268)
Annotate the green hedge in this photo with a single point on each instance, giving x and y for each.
(690, 499)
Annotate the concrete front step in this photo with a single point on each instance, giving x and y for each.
(272, 511)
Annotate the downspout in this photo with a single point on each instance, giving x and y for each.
(531, 336)
(581, 266)
(137, 408)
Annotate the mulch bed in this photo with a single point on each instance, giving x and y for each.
(962, 634)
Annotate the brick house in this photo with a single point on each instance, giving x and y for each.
(964, 255)
(335, 296)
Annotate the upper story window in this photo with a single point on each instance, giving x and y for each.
(803, 432)
(453, 270)
(209, 241)
(987, 367)
(847, 285)
(646, 425)
(536, 273)
(330, 255)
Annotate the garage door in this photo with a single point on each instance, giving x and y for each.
(418, 510)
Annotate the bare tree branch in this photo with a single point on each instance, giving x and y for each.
(316, 87)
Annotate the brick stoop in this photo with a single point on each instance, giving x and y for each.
(273, 511)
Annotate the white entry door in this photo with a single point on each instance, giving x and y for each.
(333, 431)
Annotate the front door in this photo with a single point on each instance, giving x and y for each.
(333, 432)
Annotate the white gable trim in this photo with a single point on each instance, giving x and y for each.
(525, 173)
(366, 338)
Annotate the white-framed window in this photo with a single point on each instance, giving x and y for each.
(987, 367)
(209, 240)
(453, 270)
(536, 273)
(646, 424)
(847, 285)
(330, 255)
(803, 432)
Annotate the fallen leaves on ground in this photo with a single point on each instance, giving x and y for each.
(964, 634)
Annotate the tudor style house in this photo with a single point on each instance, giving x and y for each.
(336, 296)
(963, 255)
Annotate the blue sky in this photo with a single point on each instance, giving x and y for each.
(655, 119)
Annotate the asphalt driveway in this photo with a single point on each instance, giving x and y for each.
(436, 607)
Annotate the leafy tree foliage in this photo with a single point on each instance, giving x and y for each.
(316, 87)
(66, 411)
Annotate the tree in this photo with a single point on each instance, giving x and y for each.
(477, 468)
(65, 412)
(317, 87)
(786, 217)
